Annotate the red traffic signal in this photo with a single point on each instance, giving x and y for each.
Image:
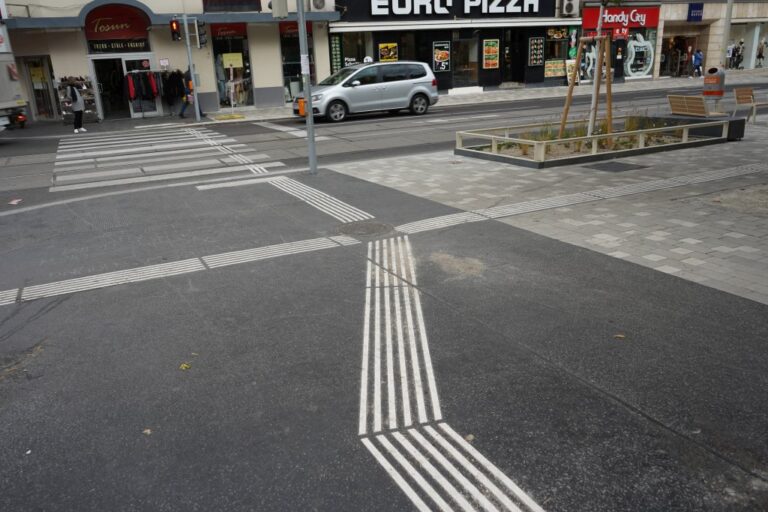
(175, 30)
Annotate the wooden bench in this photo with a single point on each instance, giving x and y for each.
(692, 106)
(745, 97)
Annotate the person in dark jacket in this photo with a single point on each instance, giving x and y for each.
(78, 105)
(698, 61)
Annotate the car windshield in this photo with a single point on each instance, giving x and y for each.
(338, 77)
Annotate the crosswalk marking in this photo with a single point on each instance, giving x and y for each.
(159, 155)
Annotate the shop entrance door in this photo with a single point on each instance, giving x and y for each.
(110, 85)
(514, 56)
(112, 99)
(465, 56)
(41, 87)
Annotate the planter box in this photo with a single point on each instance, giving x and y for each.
(673, 132)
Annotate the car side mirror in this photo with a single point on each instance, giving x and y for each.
(355, 83)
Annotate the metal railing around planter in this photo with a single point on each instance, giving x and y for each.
(501, 139)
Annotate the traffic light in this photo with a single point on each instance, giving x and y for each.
(202, 36)
(175, 30)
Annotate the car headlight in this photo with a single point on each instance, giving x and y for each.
(317, 97)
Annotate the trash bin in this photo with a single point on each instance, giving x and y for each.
(714, 83)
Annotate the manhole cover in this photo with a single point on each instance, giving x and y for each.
(365, 228)
(615, 167)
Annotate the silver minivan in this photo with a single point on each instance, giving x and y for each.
(391, 86)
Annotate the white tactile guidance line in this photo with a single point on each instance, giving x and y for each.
(337, 209)
(400, 421)
(163, 270)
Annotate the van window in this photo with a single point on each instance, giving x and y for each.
(416, 71)
(395, 72)
(366, 76)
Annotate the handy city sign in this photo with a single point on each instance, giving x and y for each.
(628, 17)
(378, 10)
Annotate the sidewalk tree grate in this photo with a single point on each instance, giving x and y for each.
(615, 167)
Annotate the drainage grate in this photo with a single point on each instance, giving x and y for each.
(614, 167)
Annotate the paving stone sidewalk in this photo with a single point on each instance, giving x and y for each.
(714, 233)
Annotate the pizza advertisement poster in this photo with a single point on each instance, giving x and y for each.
(491, 53)
(388, 52)
(441, 56)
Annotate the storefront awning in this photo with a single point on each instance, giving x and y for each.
(452, 24)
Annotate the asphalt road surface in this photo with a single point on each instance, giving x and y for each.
(171, 342)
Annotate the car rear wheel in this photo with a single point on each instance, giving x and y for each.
(337, 112)
(419, 105)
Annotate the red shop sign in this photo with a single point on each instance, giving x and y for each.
(116, 22)
(291, 28)
(621, 17)
(229, 29)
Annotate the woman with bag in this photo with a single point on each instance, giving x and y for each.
(78, 105)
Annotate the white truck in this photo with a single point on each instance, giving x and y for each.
(12, 100)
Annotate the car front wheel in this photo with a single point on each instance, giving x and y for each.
(337, 112)
(419, 105)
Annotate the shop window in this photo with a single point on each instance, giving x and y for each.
(232, 64)
(556, 52)
(289, 43)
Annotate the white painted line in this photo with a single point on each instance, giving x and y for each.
(189, 153)
(325, 203)
(443, 221)
(414, 474)
(111, 138)
(133, 275)
(344, 240)
(72, 148)
(496, 472)
(8, 296)
(434, 473)
(363, 426)
(322, 202)
(407, 420)
(419, 390)
(144, 179)
(399, 480)
(468, 486)
(473, 470)
(263, 253)
(391, 397)
(60, 178)
(139, 149)
(162, 168)
(231, 184)
(377, 343)
(436, 410)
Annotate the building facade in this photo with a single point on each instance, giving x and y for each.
(687, 26)
(468, 43)
(114, 46)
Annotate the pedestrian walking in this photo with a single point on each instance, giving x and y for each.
(698, 61)
(78, 105)
(760, 52)
(189, 87)
(187, 93)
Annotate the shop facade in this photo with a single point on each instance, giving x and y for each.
(124, 52)
(468, 44)
(686, 27)
(633, 30)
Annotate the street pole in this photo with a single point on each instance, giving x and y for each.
(307, 82)
(595, 81)
(192, 73)
(726, 34)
